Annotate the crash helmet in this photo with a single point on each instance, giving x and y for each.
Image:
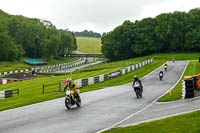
(68, 80)
(135, 77)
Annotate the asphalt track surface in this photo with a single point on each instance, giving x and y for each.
(79, 67)
(100, 109)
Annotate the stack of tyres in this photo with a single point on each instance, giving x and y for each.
(189, 86)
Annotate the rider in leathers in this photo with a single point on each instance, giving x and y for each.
(72, 86)
(137, 84)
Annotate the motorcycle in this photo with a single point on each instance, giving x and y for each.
(72, 97)
(165, 67)
(138, 92)
(161, 76)
(138, 89)
(173, 60)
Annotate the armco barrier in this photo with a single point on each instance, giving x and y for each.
(8, 93)
(52, 68)
(105, 77)
(84, 82)
(96, 79)
(101, 78)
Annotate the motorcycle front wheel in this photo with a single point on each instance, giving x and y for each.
(67, 102)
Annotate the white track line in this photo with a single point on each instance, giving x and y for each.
(118, 123)
(159, 118)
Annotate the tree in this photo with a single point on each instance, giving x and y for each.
(52, 46)
(8, 49)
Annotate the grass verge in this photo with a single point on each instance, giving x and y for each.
(31, 90)
(187, 123)
(177, 56)
(192, 69)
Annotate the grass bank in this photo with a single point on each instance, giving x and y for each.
(31, 90)
(187, 123)
(177, 56)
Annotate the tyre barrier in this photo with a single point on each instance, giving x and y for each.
(8, 93)
(191, 86)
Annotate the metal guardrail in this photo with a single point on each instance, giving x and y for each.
(8, 93)
(83, 55)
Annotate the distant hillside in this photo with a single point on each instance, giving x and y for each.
(89, 45)
(87, 33)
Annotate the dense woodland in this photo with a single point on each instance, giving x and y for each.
(31, 37)
(168, 32)
(87, 33)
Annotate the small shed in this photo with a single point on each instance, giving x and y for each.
(16, 77)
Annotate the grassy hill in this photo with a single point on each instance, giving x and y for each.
(89, 45)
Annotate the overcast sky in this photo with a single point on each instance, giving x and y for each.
(97, 15)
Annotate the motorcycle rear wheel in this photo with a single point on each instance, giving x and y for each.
(140, 93)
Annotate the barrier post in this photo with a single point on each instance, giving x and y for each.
(60, 85)
(43, 89)
(170, 92)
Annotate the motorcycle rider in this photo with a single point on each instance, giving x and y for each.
(72, 86)
(137, 84)
(165, 67)
(161, 75)
(173, 59)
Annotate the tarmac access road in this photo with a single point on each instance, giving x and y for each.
(78, 67)
(100, 108)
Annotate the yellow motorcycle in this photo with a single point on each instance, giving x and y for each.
(72, 97)
(166, 67)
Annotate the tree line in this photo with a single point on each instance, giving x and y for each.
(87, 33)
(167, 32)
(31, 37)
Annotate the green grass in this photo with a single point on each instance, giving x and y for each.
(10, 66)
(20, 65)
(89, 45)
(192, 69)
(31, 90)
(187, 123)
(177, 56)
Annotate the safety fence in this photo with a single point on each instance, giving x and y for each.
(103, 77)
(93, 80)
(59, 87)
(51, 87)
(8, 93)
(46, 69)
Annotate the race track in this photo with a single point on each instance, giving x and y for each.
(100, 109)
